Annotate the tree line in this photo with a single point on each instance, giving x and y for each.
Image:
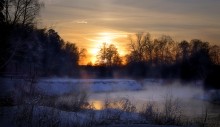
(24, 48)
(163, 57)
(193, 59)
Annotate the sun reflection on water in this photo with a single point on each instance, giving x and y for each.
(98, 105)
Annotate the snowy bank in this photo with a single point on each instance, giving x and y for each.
(61, 86)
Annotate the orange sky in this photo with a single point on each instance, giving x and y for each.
(89, 23)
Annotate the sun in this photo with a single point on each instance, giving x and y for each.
(104, 37)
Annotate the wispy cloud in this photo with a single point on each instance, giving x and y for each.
(81, 22)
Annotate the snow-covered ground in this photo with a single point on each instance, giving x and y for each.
(47, 116)
(61, 86)
(42, 116)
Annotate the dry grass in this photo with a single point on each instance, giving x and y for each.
(76, 101)
(113, 111)
(170, 114)
(207, 120)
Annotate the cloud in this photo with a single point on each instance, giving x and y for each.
(81, 22)
(50, 1)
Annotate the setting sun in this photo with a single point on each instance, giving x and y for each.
(108, 38)
(105, 37)
(99, 40)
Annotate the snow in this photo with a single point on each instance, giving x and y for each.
(46, 116)
(61, 86)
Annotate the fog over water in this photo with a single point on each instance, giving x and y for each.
(191, 96)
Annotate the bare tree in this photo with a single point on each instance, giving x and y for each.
(113, 57)
(108, 55)
(102, 55)
(150, 45)
(15, 12)
(215, 54)
(144, 49)
(137, 47)
(184, 47)
(164, 47)
(1, 11)
(21, 11)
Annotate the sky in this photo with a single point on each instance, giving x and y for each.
(89, 23)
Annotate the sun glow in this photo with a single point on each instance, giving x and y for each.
(97, 104)
(94, 51)
(108, 38)
(104, 37)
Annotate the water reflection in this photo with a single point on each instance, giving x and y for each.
(98, 105)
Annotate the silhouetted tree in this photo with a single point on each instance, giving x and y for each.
(196, 60)
(102, 55)
(21, 11)
(149, 49)
(200, 58)
(164, 48)
(184, 47)
(214, 53)
(17, 19)
(160, 51)
(2, 17)
(70, 58)
(60, 57)
(109, 56)
(147, 53)
(138, 47)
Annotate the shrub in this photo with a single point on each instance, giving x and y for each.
(170, 114)
(114, 109)
(149, 112)
(73, 102)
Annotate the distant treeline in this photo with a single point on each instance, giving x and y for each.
(162, 58)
